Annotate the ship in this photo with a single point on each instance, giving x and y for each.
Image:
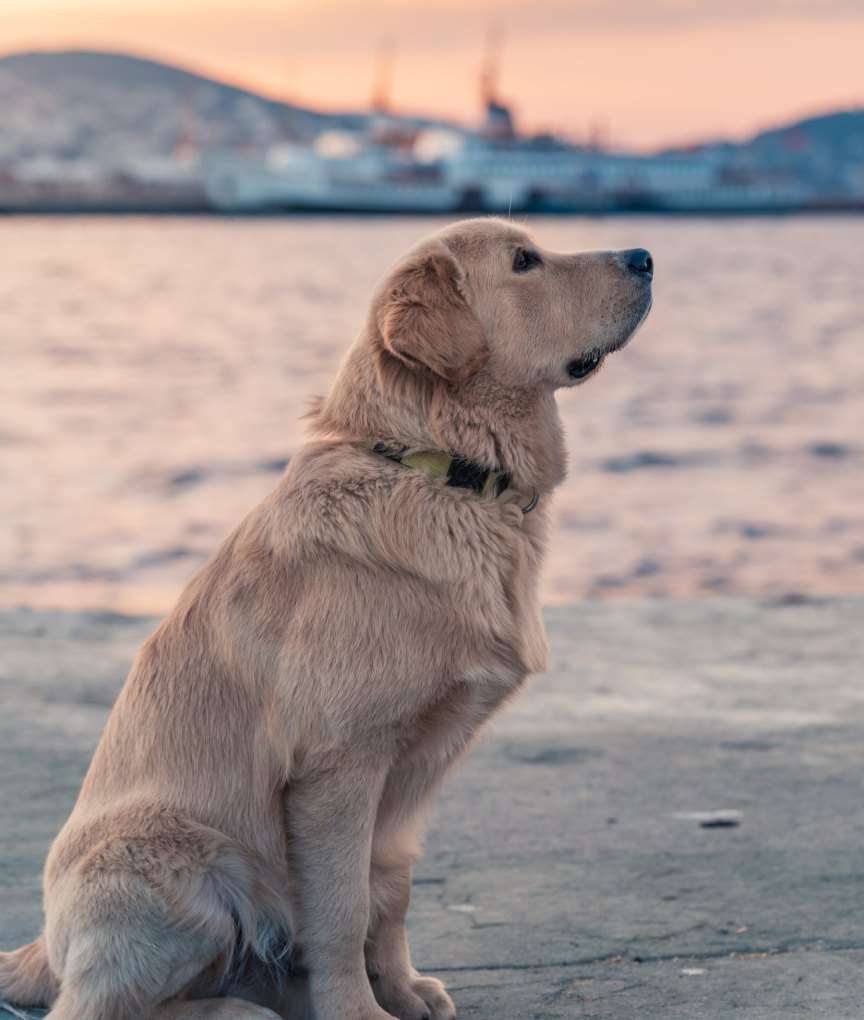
(395, 165)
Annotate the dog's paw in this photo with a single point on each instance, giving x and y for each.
(415, 998)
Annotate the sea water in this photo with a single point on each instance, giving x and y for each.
(154, 372)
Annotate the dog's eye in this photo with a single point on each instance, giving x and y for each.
(526, 259)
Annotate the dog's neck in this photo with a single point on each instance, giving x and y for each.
(503, 428)
(514, 429)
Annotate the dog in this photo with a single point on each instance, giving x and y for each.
(243, 842)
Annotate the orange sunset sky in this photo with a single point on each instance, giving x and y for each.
(646, 73)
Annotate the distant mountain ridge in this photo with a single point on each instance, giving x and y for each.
(840, 127)
(81, 103)
(49, 67)
(827, 151)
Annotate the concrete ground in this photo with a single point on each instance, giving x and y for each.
(669, 824)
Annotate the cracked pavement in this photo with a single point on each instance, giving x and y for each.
(575, 867)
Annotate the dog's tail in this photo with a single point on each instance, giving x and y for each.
(25, 977)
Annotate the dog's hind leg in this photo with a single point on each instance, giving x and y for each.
(127, 974)
(25, 976)
(125, 947)
(151, 918)
(71, 1005)
(129, 986)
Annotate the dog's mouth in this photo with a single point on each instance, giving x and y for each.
(581, 368)
(588, 364)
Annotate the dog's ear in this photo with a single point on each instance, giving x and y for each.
(426, 321)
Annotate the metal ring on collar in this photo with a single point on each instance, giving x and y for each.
(535, 499)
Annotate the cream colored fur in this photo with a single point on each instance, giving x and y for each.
(244, 838)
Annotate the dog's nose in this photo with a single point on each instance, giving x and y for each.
(640, 261)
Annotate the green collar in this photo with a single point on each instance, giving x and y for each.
(463, 474)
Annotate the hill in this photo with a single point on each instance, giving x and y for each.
(827, 151)
(95, 105)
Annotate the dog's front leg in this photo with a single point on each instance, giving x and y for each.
(398, 986)
(330, 821)
(407, 799)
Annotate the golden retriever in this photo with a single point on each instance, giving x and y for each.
(243, 842)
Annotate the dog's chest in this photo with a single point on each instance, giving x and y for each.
(521, 635)
(445, 728)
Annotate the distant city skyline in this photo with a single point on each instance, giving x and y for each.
(669, 74)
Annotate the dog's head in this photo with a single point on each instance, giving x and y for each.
(469, 335)
(482, 296)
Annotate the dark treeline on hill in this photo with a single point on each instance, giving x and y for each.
(90, 104)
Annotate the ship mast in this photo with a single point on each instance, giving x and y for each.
(498, 120)
(491, 66)
(383, 81)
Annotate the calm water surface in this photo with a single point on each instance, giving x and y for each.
(153, 374)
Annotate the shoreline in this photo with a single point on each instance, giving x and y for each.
(107, 210)
(157, 610)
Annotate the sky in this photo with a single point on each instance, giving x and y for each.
(634, 75)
